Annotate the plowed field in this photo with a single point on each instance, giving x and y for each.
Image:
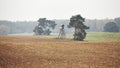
(38, 52)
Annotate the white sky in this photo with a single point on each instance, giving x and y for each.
(58, 9)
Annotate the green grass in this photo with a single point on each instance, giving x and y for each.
(103, 36)
(95, 36)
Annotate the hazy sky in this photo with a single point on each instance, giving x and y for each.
(58, 9)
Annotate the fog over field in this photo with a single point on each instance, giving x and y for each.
(21, 16)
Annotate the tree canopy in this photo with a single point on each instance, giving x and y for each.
(111, 27)
(43, 27)
(77, 22)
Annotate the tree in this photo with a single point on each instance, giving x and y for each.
(117, 21)
(111, 27)
(43, 27)
(77, 22)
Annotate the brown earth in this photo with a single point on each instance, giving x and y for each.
(38, 52)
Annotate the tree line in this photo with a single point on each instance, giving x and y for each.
(11, 27)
